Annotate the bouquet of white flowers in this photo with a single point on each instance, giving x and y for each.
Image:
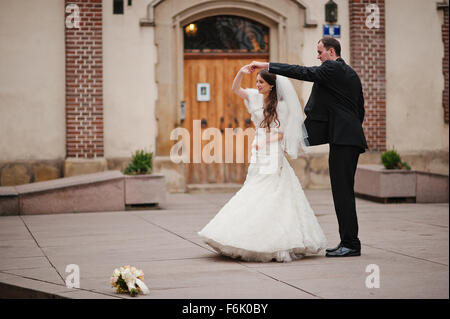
(129, 279)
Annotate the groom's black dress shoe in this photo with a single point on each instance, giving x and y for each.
(344, 252)
(329, 250)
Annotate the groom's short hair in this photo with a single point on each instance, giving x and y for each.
(330, 42)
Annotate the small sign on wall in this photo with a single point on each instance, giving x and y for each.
(332, 30)
(203, 94)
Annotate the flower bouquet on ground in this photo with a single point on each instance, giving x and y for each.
(130, 280)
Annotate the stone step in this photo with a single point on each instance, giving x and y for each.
(213, 188)
(71, 181)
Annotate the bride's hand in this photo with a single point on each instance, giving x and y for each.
(246, 69)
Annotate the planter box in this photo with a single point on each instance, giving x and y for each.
(145, 189)
(431, 188)
(379, 183)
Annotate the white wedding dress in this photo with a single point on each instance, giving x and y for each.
(269, 218)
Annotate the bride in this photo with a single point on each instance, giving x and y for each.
(269, 218)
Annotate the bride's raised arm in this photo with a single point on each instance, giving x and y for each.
(246, 69)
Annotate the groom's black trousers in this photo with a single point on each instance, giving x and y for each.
(342, 163)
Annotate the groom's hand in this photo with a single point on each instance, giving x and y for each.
(259, 65)
(247, 69)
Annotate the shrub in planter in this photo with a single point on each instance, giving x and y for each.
(141, 163)
(391, 160)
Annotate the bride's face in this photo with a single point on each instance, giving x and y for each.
(262, 86)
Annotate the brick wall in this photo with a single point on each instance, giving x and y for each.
(445, 66)
(84, 82)
(368, 59)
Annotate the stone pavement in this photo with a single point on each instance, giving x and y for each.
(408, 242)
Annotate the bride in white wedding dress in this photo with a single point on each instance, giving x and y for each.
(269, 218)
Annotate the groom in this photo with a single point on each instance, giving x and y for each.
(334, 115)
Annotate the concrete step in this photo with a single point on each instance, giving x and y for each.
(213, 188)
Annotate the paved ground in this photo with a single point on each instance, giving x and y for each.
(408, 242)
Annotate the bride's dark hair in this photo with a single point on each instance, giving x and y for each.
(270, 104)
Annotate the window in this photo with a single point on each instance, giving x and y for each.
(117, 6)
(226, 34)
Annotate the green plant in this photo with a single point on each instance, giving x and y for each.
(141, 163)
(391, 160)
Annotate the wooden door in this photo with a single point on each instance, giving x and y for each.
(225, 109)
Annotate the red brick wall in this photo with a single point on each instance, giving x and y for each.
(445, 65)
(84, 82)
(368, 59)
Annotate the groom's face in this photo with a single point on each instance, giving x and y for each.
(322, 53)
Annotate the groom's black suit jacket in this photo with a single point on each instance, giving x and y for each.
(335, 109)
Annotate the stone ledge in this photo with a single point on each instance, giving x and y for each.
(90, 195)
(8, 191)
(69, 182)
(96, 192)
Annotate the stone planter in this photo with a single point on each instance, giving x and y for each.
(431, 188)
(148, 189)
(381, 184)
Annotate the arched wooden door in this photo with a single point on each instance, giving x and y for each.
(215, 49)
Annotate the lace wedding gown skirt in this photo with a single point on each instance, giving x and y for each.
(269, 218)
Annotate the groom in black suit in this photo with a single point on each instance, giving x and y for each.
(334, 115)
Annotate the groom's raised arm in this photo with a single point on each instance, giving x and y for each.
(322, 73)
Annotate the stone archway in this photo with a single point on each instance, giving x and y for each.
(286, 22)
